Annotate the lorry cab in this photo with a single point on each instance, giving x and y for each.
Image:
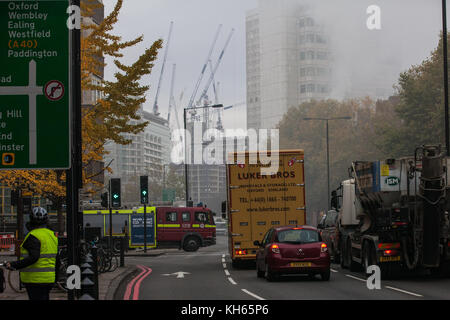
(186, 227)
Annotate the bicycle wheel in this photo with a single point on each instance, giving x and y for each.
(14, 281)
(113, 262)
(61, 281)
(101, 260)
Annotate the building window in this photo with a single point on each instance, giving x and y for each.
(322, 55)
(303, 88)
(302, 72)
(310, 38)
(310, 87)
(320, 39)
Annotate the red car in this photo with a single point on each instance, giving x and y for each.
(292, 250)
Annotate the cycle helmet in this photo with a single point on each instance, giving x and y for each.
(39, 214)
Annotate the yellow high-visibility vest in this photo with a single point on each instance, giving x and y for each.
(43, 271)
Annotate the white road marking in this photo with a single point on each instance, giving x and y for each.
(223, 256)
(404, 291)
(227, 272)
(232, 281)
(224, 265)
(223, 259)
(356, 278)
(179, 274)
(253, 295)
(332, 270)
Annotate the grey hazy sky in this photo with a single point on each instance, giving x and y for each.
(409, 33)
(195, 24)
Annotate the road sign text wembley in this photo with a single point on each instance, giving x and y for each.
(34, 85)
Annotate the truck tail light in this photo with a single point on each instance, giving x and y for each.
(241, 252)
(323, 247)
(275, 248)
(390, 252)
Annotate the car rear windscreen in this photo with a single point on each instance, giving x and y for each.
(298, 236)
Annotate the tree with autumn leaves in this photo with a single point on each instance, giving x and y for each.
(109, 118)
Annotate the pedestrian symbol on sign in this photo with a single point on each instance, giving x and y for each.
(54, 90)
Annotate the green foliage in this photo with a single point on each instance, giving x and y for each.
(419, 108)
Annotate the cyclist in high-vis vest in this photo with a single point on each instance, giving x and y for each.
(38, 253)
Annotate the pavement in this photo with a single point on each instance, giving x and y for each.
(108, 281)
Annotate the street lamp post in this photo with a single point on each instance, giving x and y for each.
(328, 151)
(444, 42)
(185, 145)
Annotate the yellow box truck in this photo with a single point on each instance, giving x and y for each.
(258, 202)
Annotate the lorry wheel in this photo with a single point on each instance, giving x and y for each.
(337, 258)
(344, 263)
(191, 244)
(353, 266)
(366, 258)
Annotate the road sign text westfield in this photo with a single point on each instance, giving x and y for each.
(34, 79)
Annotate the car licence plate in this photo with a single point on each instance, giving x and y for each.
(389, 259)
(300, 264)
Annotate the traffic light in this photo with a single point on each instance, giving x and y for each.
(105, 200)
(144, 189)
(115, 193)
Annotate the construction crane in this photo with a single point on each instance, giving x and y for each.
(155, 105)
(219, 125)
(172, 103)
(211, 78)
(171, 98)
(234, 105)
(215, 89)
(197, 85)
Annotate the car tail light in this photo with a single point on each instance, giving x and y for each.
(275, 248)
(240, 252)
(323, 247)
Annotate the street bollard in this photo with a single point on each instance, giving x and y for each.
(95, 269)
(86, 297)
(87, 285)
(88, 282)
(122, 251)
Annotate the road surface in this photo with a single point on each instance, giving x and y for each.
(207, 275)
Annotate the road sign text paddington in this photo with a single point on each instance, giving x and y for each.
(34, 81)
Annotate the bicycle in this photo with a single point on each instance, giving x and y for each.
(14, 280)
(61, 274)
